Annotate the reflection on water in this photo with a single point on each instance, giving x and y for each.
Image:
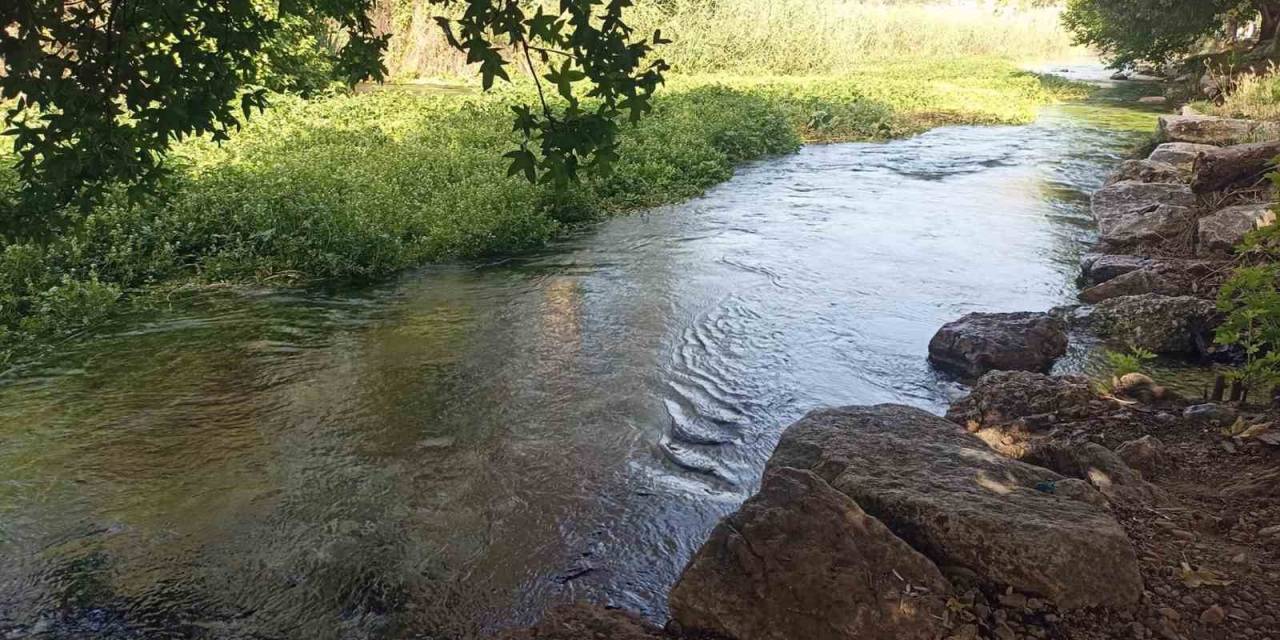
(456, 451)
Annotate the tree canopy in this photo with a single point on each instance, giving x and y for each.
(98, 90)
(1129, 31)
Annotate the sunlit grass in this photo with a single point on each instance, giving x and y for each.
(368, 184)
(1254, 96)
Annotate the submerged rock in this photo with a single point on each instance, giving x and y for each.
(802, 560)
(1216, 131)
(961, 504)
(1131, 212)
(1157, 323)
(1219, 233)
(587, 622)
(1180, 154)
(981, 342)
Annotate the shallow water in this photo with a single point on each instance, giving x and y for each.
(460, 449)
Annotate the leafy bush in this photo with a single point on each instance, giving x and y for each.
(1250, 301)
(1123, 363)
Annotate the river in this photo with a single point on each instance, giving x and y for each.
(457, 450)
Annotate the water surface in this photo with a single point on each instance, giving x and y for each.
(457, 450)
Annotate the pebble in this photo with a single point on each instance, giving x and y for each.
(1264, 621)
(1213, 615)
(1003, 632)
(1170, 614)
(1270, 531)
(1182, 534)
(1013, 600)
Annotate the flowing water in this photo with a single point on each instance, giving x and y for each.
(456, 451)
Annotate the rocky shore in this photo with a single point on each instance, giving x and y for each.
(1038, 507)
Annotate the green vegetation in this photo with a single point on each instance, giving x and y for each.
(99, 90)
(1253, 95)
(1155, 31)
(340, 185)
(783, 37)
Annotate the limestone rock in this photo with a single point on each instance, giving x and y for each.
(1077, 489)
(1145, 454)
(1157, 323)
(1141, 388)
(1221, 231)
(1004, 397)
(1098, 268)
(1180, 154)
(587, 622)
(1129, 212)
(1218, 415)
(961, 504)
(1149, 171)
(1132, 283)
(1216, 131)
(1093, 463)
(802, 560)
(981, 342)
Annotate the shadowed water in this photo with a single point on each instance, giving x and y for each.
(456, 451)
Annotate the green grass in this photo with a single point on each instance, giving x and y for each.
(363, 186)
(783, 37)
(1254, 96)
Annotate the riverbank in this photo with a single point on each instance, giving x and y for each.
(1041, 506)
(363, 186)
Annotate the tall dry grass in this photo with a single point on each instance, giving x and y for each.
(782, 37)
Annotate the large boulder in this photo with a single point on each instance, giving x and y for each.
(1005, 397)
(963, 505)
(1093, 463)
(1096, 268)
(981, 342)
(1219, 233)
(1132, 212)
(587, 622)
(1149, 171)
(1180, 154)
(1133, 283)
(1215, 131)
(802, 560)
(1157, 323)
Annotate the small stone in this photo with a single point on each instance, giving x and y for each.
(1182, 534)
(1137, 630)
(1269, 532)
(1210, 413)
(1165, 629)
(1170, 614)
(1003, 632)
(966, 632)
(1213, 615)
(1264, 621)
(1013, 600)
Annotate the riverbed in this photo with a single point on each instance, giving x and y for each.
(455, 451)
